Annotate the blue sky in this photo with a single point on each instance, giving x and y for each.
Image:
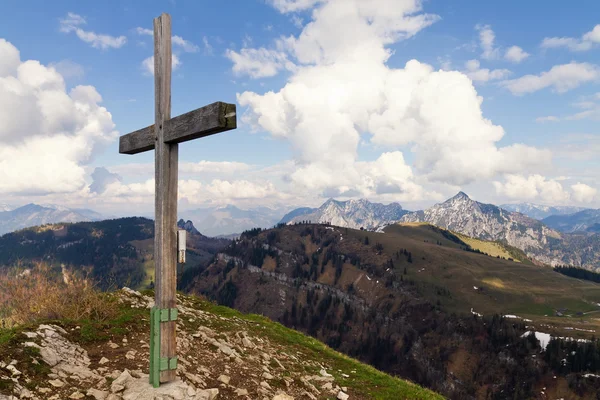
(279, 46)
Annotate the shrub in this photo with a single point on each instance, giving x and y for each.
(29, 295)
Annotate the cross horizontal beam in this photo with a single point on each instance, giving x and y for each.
(213, 118)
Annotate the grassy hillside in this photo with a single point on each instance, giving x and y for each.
(504, 287)
(294, 362)
(116, 253)
(403, 300)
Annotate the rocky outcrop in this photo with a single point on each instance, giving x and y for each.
(212, 365)
(488, 222)
(349, 214)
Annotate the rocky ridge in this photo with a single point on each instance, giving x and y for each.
(213, 364)
(539, 241)
(349, 214)
(489, 222)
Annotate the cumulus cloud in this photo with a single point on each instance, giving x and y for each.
(486, 41)
(490, 51)
(532, 187)
(144, 31)
(561, 78)
(586, 42)
(343, 89)
(69, 69)
(515, 54)
(583, 193)
(185, 45)
(73, 22)
(148, 64)
(47, 134)
(478, 74)
(101, 178)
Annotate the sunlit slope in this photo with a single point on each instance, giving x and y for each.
(462, 280)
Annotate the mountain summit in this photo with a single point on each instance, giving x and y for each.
(355, 214)
(489, 222)
(485, 221)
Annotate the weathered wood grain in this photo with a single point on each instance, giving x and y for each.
(213, 118)
(166, 158)
(164, 137)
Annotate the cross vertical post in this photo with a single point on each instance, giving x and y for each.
(164, 137)
(165, 223)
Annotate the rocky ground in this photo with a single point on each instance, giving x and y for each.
(218, 359)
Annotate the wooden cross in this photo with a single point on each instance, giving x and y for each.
(164, 137)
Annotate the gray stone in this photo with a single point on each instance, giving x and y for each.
(282, 396)
(342, 396)
(56, 383)
(224, 378)
(97, 394)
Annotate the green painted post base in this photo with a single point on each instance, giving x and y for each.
(155, 347)
(157, 364)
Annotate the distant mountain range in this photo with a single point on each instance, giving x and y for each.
(350, 214)
(489, 222)
(5, 207)
(230, 220)
(33, 215)
(537, 211)
(582, 221)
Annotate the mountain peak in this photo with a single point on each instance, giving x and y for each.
(462, 195)
(188, 226)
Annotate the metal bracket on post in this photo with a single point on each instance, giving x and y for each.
(181, 241)
(157, 364)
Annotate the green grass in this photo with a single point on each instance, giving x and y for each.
(127, 319)
(366, 380)
(520, 288)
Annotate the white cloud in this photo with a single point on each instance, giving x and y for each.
(339, 28)
(486, 41)
(258, 63)
(549, 118)
(583, 193)
(101, 178)
(185, 45)
(561, 78)
(208, 49)
(47, 135)
(72, 23)
(487, 37)
(478, 74)
(586, 42)
(148, 64)
(185, 167)
(297, 21)
(287, 6)
(515, 54)
(69, 69)
(532, 187)
(144, 31)
(347, 90)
